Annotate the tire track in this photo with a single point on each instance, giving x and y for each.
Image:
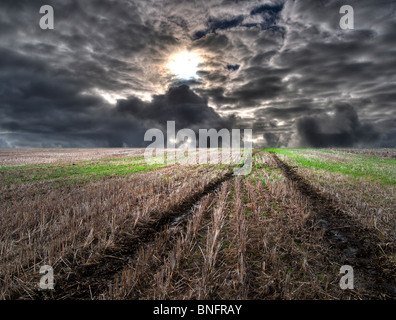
(88, 281)
(352, 244)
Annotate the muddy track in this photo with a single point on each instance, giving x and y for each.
(351, 243)
(88, 281)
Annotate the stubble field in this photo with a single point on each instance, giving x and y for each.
(114, 227)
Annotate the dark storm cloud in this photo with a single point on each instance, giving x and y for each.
(388, 140)
(342, 129)
(260, 89)
(305, 108)
(217, 96)
(49, 78)
(272, 139)
(179, 104)
(279, 67)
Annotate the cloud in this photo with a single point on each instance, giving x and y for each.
(4, 144)
(279, 67)
(179, 104)
(341, 129)
(388, 140)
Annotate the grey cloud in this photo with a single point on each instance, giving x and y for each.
(179, 104)
(343, 129)
(3, 144)
(295, 64)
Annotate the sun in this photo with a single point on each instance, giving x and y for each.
(184, 65)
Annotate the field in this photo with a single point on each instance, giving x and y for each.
(115, 227)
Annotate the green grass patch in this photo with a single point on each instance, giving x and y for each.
(371, 167)
(75, 172)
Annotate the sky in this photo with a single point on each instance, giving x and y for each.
(111, 70)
